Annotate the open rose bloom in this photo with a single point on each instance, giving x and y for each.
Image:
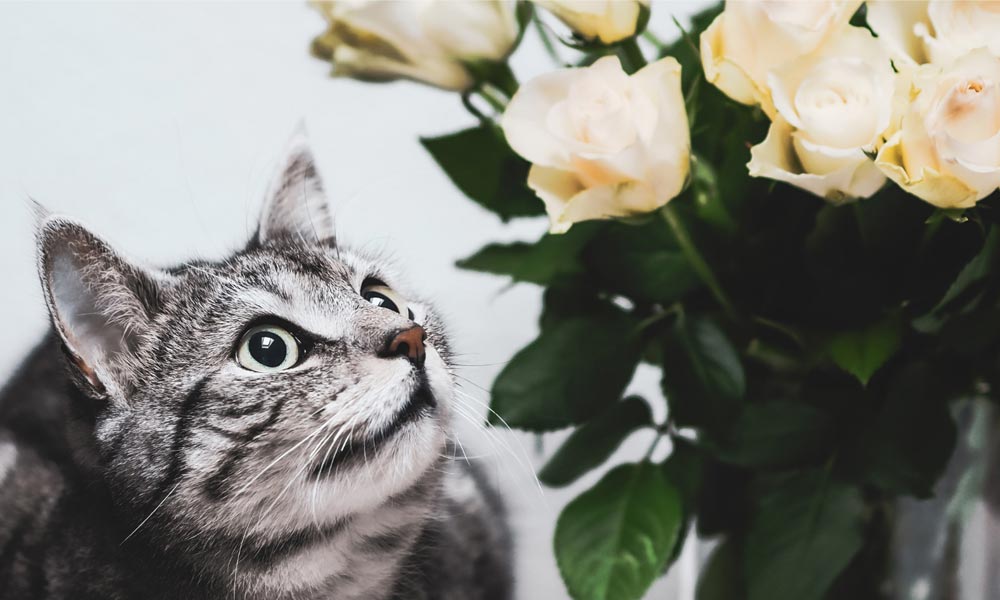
(945, 147)
(602, 143)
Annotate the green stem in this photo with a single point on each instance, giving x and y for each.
(473, 110)
(652, 39)
(550, 48)
(503, 78)
(696, 259)
(486, 94)
(656, 440)
(631, 55)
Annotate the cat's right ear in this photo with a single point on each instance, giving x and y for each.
(98, 301)
(295, 207)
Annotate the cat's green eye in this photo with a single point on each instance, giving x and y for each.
(267, 349)
(383, 296)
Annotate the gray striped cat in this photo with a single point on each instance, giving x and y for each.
(272, 425)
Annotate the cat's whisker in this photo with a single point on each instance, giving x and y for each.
(522, 460)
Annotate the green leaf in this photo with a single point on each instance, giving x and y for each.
(482, 165)
(775, 434)
(615, 539)
(702, 375)
(862, 352)
(574, 370)
(722, 577)
(594, 441)
(803, 532)
(685, 470)
(542, 262)
(642, 262)
(906, 446)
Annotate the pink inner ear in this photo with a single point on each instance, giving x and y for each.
(89, 374)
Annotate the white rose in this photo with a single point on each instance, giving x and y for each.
(895, 24)
(750, 38)
(945, 142)
(603, 144)
(832, 106)
(608, 21)
(432, 41)
(936, 31)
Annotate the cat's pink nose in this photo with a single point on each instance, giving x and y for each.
(409, 343)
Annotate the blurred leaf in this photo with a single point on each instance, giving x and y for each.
(614, 540)
(482, 165)
(905, 447)
(775, 434)
(970, 282)
(862, 353)
(684, 469)
(642, 262)
(594, 441)
(722, 577)
(702, 374)
(541, 262)
(804, 530)
(573, 371)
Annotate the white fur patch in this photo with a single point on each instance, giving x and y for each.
(8, 456)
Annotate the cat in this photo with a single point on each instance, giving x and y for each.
(272, 425)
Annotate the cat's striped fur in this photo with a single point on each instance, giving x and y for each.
(139, 460)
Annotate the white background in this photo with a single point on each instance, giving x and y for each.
(159, 124)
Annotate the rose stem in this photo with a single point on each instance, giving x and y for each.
(696, 259)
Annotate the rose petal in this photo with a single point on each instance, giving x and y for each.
(567, 201)
(775, 158)
(940, 189)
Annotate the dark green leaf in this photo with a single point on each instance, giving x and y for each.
(484, 168)
(862, 352)
(722, 577)
(642, 262)
(804, 530)
(905, 448)
(775, 434)
(542, 262)
(574, 370)
(684, 469)
(971, 280)
(614, 540)
(594, 441)
(702, 375)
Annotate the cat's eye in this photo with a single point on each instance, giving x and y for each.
(267, 349)
(383, 296)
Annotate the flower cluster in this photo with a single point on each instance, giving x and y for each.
(917, 102)
(920, 103)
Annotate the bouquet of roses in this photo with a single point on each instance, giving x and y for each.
(791, 210)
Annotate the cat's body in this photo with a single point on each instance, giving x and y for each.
(273, 425)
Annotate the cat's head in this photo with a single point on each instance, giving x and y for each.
(289, 385)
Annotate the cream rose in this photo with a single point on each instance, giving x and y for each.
(832, 106)
(751, 38)
(936, 31)
(608, 21)
(603, 144)
(431, 41)
(945, 142)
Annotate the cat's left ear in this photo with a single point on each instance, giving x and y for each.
(99, 302)
(295, 207)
